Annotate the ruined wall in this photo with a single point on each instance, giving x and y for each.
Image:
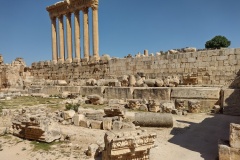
(215, 67)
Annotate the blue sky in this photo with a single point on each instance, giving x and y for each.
(125, 26)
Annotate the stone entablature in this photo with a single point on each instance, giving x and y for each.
(64, 7)
(67, 8)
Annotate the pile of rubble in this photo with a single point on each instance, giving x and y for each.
(35, 124)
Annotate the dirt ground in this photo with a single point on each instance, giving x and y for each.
(193, 137)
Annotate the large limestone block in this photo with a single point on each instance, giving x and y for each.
(51, 90)
(230, 101)
(154, 93)
(89, 90)
(196, 93)
(68, 114)
(77, 118)
(107, 123)
(118, 93)
(234, 136)
(225, 152)
(71, 89)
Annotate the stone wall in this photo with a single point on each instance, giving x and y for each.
(210, 67)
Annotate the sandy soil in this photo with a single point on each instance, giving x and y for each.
(193, 137)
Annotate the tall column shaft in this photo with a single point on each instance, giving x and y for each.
(54, 40)
(95, 32)
(61, 38)
(69, 37)
(77, 35)
(86, 33)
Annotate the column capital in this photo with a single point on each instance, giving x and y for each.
(85, 10)
(94, 7)
(68, 14)
(76, 12)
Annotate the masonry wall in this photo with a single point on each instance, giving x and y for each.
(215, 67)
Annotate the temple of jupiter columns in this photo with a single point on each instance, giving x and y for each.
(64, 10)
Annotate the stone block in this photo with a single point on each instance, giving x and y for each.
(222, 58)
(194, 106)
(155, 93)
(234, 136)
(77, 118)
(117, 125)
(71, 89)
(107, 123)
(92, 90)
(230, 101)
(118, 93)
(51, 90)
(195, 93)
(225, 152)
(96, 124)
(84, 123)
(68, 114)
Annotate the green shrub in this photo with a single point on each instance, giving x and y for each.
(72, 107)
(218, 42)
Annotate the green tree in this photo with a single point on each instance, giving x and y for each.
(218, 42)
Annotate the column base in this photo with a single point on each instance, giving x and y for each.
(76, 60)
(68, 61)
(85, 59)
(54, 62)
(60, 61)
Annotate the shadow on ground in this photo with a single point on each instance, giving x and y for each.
(203, 137)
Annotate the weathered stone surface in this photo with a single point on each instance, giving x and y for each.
(133, 104)
(85, 91)
(152, 106)
(95, 99)
(107, 123)
(93, 150)
(77, 118)
(230, 101)
(96, 124)
(68, 114)
(195, 93)
(114, 111)
(117, 125)
(118, 93)
(235, 136)
(148, 119)
(128, 145)
(180, 104)
(84, 123)
(155, 93)
(225, 152)
(194, 106)
(167, 107)
(35, 125)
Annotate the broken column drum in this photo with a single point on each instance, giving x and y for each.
(153, 120)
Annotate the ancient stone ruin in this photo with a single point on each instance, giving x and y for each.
(128, 145)
(118, 97)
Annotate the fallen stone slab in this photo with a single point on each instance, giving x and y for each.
(149, 119)
(128, 145)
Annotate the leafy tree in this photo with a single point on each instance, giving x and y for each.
(218, 42)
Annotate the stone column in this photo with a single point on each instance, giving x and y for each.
(86, 34)
(77, 36)
(146, 53)
(69, 37)
(54, 40)
(61, 39)
(95, 33)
